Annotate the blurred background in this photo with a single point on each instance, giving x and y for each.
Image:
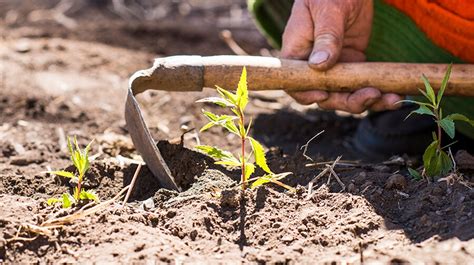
(67, 63)
(159, 26)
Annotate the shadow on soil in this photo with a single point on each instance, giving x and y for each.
(289, 130)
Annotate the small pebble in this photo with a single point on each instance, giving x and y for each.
(287, 239)
(351, 188)
(360, 178)
(22, 46)
(171, 214)
(396, 181)
(193, 234)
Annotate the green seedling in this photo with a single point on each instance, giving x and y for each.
(237, 103)
(436, 160)
(80, 160)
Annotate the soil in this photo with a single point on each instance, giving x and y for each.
(56, 81)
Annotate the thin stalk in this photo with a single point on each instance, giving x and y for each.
(438, 118)
(78, 191)
(242, 138)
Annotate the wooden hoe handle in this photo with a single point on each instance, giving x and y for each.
(192, 73)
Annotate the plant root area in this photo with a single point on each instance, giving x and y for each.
(57, 81)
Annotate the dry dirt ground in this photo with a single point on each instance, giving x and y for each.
(58, 81)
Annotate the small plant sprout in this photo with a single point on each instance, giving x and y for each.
(80, 160)
(436, 160)
(237, 103)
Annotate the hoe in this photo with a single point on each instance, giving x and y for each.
(193, 73)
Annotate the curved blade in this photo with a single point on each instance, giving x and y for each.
(145, 144)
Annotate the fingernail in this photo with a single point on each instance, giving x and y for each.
(319, 57)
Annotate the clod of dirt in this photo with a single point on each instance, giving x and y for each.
(184, 164)
(7, 149)
(22, 46)
(230, 198)
(396, 181)
(464, 160)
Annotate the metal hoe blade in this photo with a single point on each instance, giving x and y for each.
(162, 72)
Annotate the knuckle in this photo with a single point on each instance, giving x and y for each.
(329, 38)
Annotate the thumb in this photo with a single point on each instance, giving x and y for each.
(328, 36)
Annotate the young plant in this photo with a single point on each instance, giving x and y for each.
(80, 160)
(435, 159)
(237, 103)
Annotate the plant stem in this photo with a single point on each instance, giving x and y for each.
(78, 191)
(436, 112)
(242, 137)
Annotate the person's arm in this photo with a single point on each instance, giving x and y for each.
(326, 32)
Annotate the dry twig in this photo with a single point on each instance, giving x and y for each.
(330, 169)
(132, 184)
(305, 146)
(226, 36)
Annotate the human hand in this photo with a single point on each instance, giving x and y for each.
(330, 31)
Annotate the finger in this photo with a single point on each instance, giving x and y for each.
(363, 99)
(309, 97)
(356, 102)
(335, 101)
(329, 23)
(297, 40)
(388, 101)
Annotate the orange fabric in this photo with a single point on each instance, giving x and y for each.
(448, 23)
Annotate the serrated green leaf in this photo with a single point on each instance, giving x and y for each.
(216, 100)
(88, 195)
(429, 90)
(69, 146)
(424, 94)
(259, 182)
(231, 127)
(249, 170)
(259, 155)
(65, 174)
(446, 164)
(207, 126)
(422, 110)
(414, 174)
(460, 117)
(86, 156)
(211, 116)
(242, 91)
(225, 121)
(217, 153)
(444, 84)
(87, 149)
(448, 126)
(415, 102)
(440, 165)
(274, 178)
(67, 200)
(231, 97)
(52, 201)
